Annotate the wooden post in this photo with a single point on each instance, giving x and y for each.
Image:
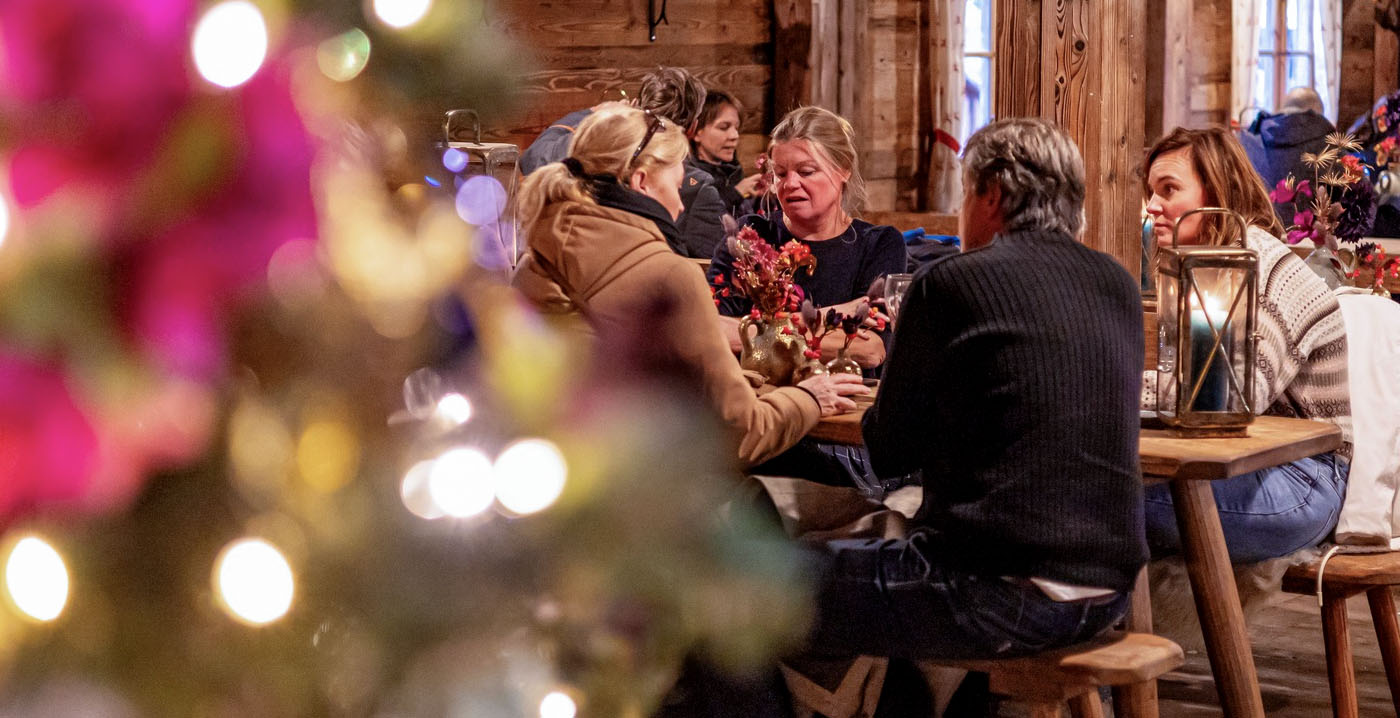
(794, 70)
(1079, 63)
(1386, 66)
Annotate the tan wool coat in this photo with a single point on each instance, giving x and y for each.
(601, 263)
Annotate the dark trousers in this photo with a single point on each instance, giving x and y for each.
(895, 598)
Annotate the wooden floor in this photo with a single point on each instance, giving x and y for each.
(1292, 670)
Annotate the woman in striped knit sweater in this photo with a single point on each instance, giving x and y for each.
(1301, 368)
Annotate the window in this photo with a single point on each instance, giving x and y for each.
(977, 66)
(1285, 50)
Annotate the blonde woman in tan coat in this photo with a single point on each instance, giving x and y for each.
(596, 226)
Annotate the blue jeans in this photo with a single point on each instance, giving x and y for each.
(894, 598)
(1265, 514)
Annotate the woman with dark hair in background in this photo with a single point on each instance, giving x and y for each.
(714, 148)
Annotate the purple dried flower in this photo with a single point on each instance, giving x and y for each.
(810, 316)
(1358, 215)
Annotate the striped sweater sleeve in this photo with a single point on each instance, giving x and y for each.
(1301, 366)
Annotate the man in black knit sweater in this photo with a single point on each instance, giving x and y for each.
(1012, 385)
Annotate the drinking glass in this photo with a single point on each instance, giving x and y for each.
(895, 287)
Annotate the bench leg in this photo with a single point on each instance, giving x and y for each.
(1138, 700)
(1086, 705)
(1340, 674)
(1044, 710)
(1388, 635)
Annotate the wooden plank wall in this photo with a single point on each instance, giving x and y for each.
(880, 91)
(1208, 72)
(1369, 60)
(1166, 72)
(584, 50)
(1079, 63)
(856, 57)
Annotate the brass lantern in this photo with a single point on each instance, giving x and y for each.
(1207, 301)
(490, 206)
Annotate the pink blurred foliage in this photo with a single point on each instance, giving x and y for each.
(191, 189)
(48, 448)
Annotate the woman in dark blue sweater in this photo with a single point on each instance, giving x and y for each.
(817, 182)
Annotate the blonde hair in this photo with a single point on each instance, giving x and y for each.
(834, 141)
(603, 145)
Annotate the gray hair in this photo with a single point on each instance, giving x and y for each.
(1301, 99)
(1039, 170)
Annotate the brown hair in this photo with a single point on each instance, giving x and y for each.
(673, 93)
(1227, 178)
(715, 100)
(834, 140)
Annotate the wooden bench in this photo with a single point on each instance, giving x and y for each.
(1346, 575)
(1047, 680)
(932, 222)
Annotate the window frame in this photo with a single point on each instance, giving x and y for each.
(1282, 53)
(990, 54)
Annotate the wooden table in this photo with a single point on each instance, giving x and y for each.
(1189, 464)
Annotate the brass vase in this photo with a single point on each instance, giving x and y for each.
(773, 348)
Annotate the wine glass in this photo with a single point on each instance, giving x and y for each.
(896, 285)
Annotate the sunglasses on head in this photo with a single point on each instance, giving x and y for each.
(654, 125)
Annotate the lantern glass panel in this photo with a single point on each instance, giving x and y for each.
(1167, 327)
(1213, 355)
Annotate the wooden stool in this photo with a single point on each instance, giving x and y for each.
(1346, 575)
(1045, 681)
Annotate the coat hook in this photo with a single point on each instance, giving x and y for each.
(654, 18)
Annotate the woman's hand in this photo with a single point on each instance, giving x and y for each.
(748, 186)
(832, 391)
(866, 348)
(729, 327)
(849, 309)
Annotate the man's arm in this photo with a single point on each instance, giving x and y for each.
(897, 426)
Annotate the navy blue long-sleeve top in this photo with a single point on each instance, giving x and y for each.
(846, 264)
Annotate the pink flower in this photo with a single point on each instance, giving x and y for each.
(1283, 193)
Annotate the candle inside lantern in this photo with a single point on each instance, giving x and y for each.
(1215, 390)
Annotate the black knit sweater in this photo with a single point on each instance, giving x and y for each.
(1012, 384)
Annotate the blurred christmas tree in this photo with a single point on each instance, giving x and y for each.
(214, 280)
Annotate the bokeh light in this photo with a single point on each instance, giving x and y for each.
(529, 475)
(455, 408)
(254, 581)
(294, 274)
(481, 200)
(344, 56)
(401, 13)
(37, 579)
(4, 218)
(422, 390)
(461, 482)
(328, 455)
(557, 705)
(230, 43)
(415, 493)
(454, 159)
